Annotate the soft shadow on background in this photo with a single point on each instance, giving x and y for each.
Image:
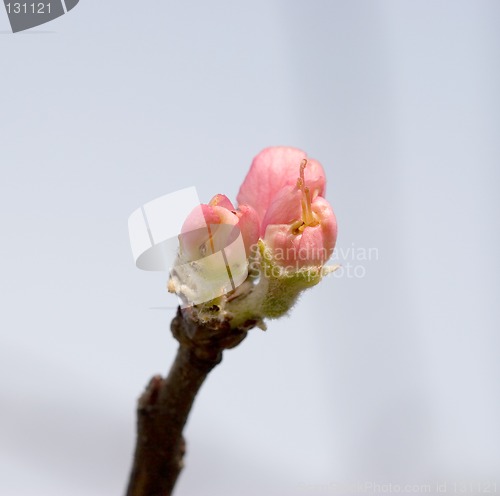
(389, 373)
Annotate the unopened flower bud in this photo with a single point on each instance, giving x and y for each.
(299, 230)
(214, 246)
(273, 169)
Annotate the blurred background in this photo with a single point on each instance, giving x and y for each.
(388, 373)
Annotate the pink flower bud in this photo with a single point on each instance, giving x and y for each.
(299, 230)
(273, 169)
(211, 228)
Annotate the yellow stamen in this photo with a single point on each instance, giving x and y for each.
(210, 237)
(308, 218)
(303, 165)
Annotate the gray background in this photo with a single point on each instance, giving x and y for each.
(392, 376)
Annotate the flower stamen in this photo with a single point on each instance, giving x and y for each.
(308, 218)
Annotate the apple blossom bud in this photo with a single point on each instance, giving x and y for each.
(206, 230)
(211, 228)
(274, 168)
(298, 230)
(214, 247)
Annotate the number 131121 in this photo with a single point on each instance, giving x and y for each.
(28, 8)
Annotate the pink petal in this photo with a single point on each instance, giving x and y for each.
(310, 248)
(211, 228)
(207, 230)
(284, 209)
(328, 223)
(221, 201)
(249, 227)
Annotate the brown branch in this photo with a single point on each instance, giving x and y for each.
(164, 407)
